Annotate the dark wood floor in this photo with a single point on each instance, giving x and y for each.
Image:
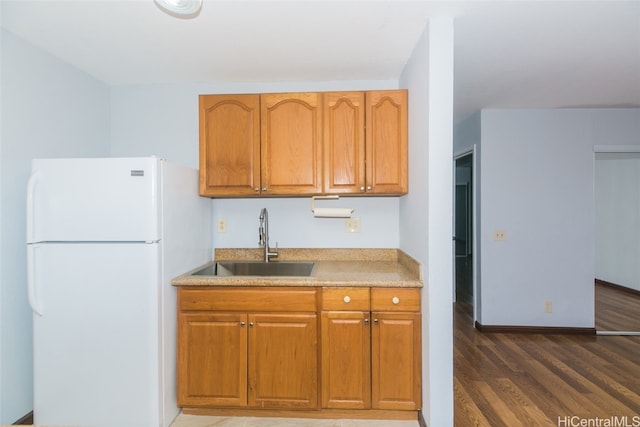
(617, 310)
(543, 380)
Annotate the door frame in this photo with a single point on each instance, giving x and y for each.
(600, 149)
(474, 227)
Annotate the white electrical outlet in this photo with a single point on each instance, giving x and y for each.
(548, 307)
(352, 225)
(222, 225)
(499, 235)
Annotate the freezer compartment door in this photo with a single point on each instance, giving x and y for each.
(98, 199)
(96, 344)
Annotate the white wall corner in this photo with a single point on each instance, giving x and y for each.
(440, 223)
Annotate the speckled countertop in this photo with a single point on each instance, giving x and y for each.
(333, 267)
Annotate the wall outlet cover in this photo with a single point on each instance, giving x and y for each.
(499, 235)
(352, 225)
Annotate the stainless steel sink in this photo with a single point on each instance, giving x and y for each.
(255, 268)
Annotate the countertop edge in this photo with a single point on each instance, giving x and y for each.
(408, 268)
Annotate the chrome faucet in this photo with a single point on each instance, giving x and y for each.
(264, 236)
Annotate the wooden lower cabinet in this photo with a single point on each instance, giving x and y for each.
(395, 361)
(259, 348)
(346, 360)
(283, 368)
(266, 360)
(212, 359)
(371, 360)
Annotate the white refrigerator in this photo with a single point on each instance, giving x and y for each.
(105, 236)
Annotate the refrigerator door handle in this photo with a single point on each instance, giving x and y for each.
(31, 280)
(31, 188)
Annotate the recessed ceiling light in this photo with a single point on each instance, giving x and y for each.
(180, 8)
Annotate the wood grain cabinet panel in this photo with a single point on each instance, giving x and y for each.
(291, 138)
(365, 142)
(283, 367)
(229, 145)
(349, 299)
(371, 359)
(296, 144)
(212, 359)
(249, 298)
(386, 142)
(344, 156)
(395, 361)
(395, 299)
(233, 358)
(354, 348)
(346, 368)
(396, 348)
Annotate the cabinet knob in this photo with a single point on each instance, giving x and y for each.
(395, 300)
(251, 324)
(362, 188)
(264, 188)
(347, 299)
(366, 322)
(242, 324)
(375, 321)
(369, 187)
(257, 189)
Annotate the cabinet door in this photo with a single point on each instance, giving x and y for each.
(229, 145)
(212, 359)
(395, 361)
(386, 142)
(346, 360)
(283, 366)
(343, 135)
(291, 130)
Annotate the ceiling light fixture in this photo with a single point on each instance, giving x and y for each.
(180, 8)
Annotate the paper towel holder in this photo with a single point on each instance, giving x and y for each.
(329, 212)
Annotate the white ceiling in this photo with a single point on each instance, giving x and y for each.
(508, 54)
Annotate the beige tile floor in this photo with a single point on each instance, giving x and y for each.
(207, 421)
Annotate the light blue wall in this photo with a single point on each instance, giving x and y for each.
(617, 204)
(49, 109)
(292, 225)
(426, 212)
(538, 186)
(466, 133)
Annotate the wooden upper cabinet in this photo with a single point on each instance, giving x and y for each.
(296, 144)
(229, 145)
(344, 156)
(365, 142)
(291, 137)
(386, 142)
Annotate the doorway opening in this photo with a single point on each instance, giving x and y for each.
(617, 237)
(463, 233)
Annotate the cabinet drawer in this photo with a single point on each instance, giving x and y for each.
(395, 299)
(248, 299)
(347, 299)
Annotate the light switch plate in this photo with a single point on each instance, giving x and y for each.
(222, 225)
